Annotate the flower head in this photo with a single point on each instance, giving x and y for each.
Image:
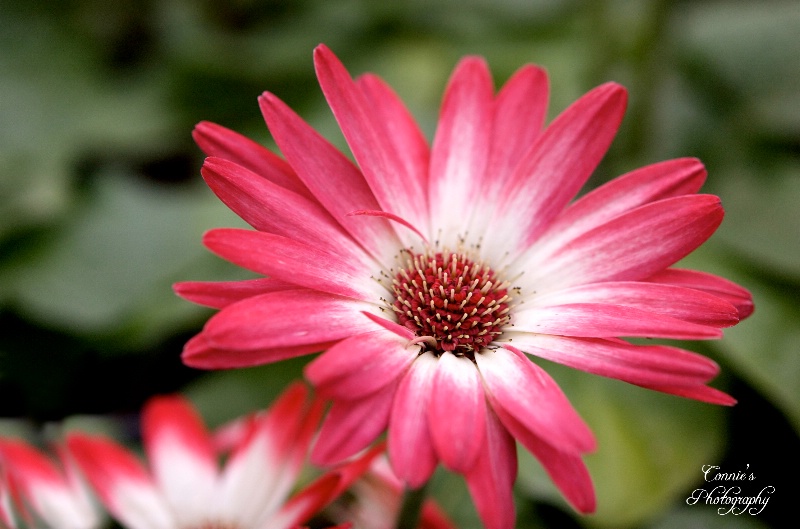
(46, 493)
(429, 274)
(184, 488)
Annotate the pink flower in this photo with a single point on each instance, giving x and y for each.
(43, 491)
(427, 274)
(184, 487)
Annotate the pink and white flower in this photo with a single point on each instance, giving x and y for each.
(429, 274)
(45, 493)
(184, 487)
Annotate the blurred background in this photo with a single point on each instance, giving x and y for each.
(102, 208)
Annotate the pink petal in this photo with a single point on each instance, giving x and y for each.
(264, 466)
(325, 489)
(121, 482)
(636, 364)
(461, 146)
(335, 181)
(672, 178)
(433, 517)
(519, 388)
(491, 480)
(519, 113)
(351, 425)
(728, 290)
(377, 155)
(220, 294)
(566, 469)
(216, 140)
(306, 503)
(632, 246)
(598, 320)
(360, 365)
(294, 262)
(6, 512)
(457, 413)
(59, 498)
(556, 167)
(286, 319)
(400, 128)
(198, 353)
(181, 456)
(701, 393)
(410, 445)
(273, 209)
(667, 300)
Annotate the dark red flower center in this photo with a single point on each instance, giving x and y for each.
(452, 303)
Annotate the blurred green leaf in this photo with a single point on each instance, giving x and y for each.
(762, 221)
(56, 106)
(110, 268)
(650, 447)
(752, 45)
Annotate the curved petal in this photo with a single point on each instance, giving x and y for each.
(637, 364)
(360, 365)
(555, 168)
(6, 512)
(491, 480)
(630, 247)
(671, 178)
(286, 319)
(400, 128)
(351, 425)
(62, 503)
(701, 393)
(181, 457)
(410, 445)
(324, 490)
(376, 155)
(199, 354)
(685, 304)
(216, 140)
(121, 482)
(460, 148)
(599, 320)
(739, 296)
(273, 209)
(335, 181)
(457, 413)
(294, 262)
(263, 467)
(519, 113)
(220, 294)
(519, 388)
(566, 469)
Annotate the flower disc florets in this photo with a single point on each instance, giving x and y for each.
(451, 302)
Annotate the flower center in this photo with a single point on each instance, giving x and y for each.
(452, 303)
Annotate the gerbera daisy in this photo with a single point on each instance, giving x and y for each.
(184, 487)
(45, 493)
(427, 275)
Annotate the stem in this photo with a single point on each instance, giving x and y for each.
(411, 507)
